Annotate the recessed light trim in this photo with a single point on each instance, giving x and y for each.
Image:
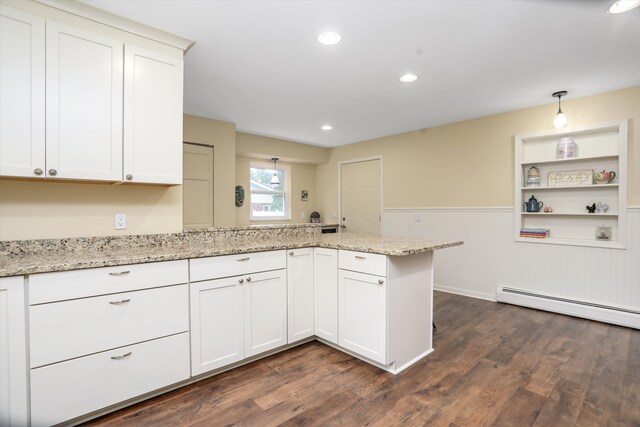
(329, 38)
(622, 6)
(408, 78)
(326, 127)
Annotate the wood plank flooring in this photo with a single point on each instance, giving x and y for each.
(494, 364)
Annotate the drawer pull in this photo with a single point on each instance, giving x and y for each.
(243, 259)
(360, 257)
(240, 280)
(380, 282)
(121, 357)
(120, 273)
(291, 253)
(248, 279)
(124, 301)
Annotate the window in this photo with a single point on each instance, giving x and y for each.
(269, 202)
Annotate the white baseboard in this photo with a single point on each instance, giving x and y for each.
(576, 309)
(465, 292)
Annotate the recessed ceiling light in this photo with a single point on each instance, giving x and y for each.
(622, 6)
(329, 38)
(326, 127)
(408, 78)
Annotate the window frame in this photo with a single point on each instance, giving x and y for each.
(285, 190)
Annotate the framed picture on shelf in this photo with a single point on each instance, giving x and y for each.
(570, 178)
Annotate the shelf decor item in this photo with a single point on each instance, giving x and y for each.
(602, 207)
(566, 148)
(570, 178)
(591, 209)
(536, 233)
(604, 177)
(533, 177)
(603, 232)
(533, 205)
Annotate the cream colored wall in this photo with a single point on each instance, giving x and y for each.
(222, 137)
(262, 147)
(470, 163)
(303, 177)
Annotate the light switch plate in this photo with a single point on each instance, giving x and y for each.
(121, 221)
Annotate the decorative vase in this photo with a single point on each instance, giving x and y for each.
(566, 148)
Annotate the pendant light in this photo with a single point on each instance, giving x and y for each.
(561, 120)
(274, 178)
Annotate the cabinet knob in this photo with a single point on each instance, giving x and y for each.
(380, 282)
(291, 253)
(248, 279)
(129, 177)
(53, 172)
(37, 171)
(240, 280)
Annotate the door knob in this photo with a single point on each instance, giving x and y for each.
(129, 177)
(53, 172)
(343, 226)
(37, 171)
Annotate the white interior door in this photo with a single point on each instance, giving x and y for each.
(360, 196)
(197, 190)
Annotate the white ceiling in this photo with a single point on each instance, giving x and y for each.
(258, 64)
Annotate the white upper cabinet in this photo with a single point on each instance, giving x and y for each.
(152, 117)
(84, 104)
(22, 85)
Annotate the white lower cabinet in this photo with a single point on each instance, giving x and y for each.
(265, 312)
(13, 353)
(217, 324)
(325, 288)
(363, 314)
(300, 269)
(66, 390)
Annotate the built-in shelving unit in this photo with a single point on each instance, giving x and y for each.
(600, 147)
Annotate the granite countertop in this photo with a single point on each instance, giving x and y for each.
(31, 263)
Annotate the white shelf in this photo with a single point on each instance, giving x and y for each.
(573, 242)
(576, 159)
(572, 187)
(601, 147)
(568, 214)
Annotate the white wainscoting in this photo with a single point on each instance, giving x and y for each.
(490, 257)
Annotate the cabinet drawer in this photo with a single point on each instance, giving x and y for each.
(363, 262)
(68, 329)
(48, 287)
(69, 389)
(235, 265)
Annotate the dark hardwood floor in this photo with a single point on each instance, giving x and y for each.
(494, 364)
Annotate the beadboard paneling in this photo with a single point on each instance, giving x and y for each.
(490, 257)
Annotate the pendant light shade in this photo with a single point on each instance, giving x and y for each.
(274, 178)
(560, 120)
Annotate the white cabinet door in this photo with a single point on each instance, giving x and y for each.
(152, 117)
(325, 285)
(217, 324)
(300, 294)
(84, 105)
(363, 314)
(22, 83)
(265, 311)
(13, 353)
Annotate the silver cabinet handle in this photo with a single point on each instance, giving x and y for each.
(37, 171)
(129, 177)
(248, 279)
(243, 259)
(53, 172)
(120, 273)
(291, 253)
(360, 257)
(121, 357)
(241, 280)
(380, 282)
(123, 301)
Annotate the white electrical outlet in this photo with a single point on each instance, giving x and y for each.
(334, 215)
(121, 221)
(302, 215)
(417, 218)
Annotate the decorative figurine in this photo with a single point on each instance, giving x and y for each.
(603, 232)
(592, 208)
(548, 209)
(533, 177)
(602, 207)
(604, 177)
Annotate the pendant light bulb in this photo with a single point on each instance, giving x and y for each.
(560, 120)
(274, 178)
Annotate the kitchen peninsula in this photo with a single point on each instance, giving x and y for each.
(160, 311)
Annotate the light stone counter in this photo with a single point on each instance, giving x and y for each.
(40, 256)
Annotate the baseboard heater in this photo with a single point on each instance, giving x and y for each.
(601, 313)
